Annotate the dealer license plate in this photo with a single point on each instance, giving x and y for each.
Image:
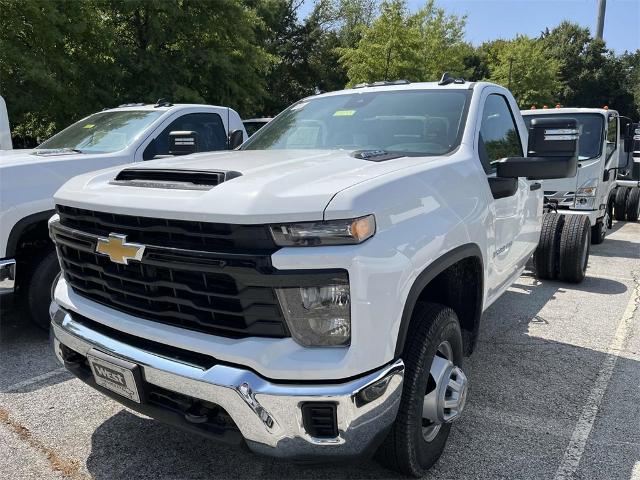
(115, 374)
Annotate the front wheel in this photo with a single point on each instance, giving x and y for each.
(575, 243)
(434, 391)
(39, 289)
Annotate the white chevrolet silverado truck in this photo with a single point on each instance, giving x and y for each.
(312, 294)
(131, 133)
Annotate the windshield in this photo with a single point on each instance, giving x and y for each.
(412, 122)
(591, 126)
(103, 132)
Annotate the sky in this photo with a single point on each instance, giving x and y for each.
(491, 19)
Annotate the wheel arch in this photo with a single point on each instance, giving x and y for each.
(30, 225)
(463, 266)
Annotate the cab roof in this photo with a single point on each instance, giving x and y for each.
(566, 110)
(161, 108)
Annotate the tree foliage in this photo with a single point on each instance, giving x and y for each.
(63, 59)
(527, 69)
(416, 46)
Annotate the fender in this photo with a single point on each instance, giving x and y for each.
(20, 226)
(470, 250)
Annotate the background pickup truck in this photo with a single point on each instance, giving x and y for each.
(128, 134)
(313, 294)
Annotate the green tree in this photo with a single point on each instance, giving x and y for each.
(591, 75)
(187, 50)
(53, 65)
(398, 44)
(524, 66)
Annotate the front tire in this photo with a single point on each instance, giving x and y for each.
(39, 289)
(415, 441)
(633, 204)
(574, 248)
(545, 257)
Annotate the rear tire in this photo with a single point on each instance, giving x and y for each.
(39, 289)
(546, 255)
(574, 248)
(620, 207)
(611, 202)
(405, 448)
(633, 204)
(598, 232)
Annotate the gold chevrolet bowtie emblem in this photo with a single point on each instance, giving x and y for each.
(118, 250)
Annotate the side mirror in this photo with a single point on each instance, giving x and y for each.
(632, 130)
(552, 151)
(183, 142)
(236, 137)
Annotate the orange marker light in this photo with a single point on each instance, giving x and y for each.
(606, 107)
(544, 107)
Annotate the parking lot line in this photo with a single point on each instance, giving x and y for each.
(34, 380)
(575, 449)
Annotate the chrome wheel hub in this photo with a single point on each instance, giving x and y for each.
(446, 393)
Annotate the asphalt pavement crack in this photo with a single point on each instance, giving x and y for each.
(69, 468)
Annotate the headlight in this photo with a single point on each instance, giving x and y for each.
(331, 232)
(318, 316)
(585, 203)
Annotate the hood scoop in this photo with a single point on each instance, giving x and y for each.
(172, 179)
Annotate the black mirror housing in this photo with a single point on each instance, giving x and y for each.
(236, 137)
(537, 168)
(553, 137)
(552, 151)
(183, 142)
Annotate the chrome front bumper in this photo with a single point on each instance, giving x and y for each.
(267, 414)
(7, 274)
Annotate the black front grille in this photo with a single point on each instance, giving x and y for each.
(213, 237)
(226, 294)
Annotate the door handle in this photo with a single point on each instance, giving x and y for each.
(535, 186)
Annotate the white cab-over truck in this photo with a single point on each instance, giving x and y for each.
(130, 133)
(602, 149)
(312, 294)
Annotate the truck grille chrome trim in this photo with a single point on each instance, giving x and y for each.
(358, 425)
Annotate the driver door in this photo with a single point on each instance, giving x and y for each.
(515, 213)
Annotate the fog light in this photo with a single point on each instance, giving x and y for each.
(318, 316)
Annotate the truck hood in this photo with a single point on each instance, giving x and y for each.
(274, 185)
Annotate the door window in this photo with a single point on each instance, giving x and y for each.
(499, 136)
(208, 126)
(612, 136)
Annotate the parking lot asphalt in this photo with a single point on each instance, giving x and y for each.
(555, 394)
